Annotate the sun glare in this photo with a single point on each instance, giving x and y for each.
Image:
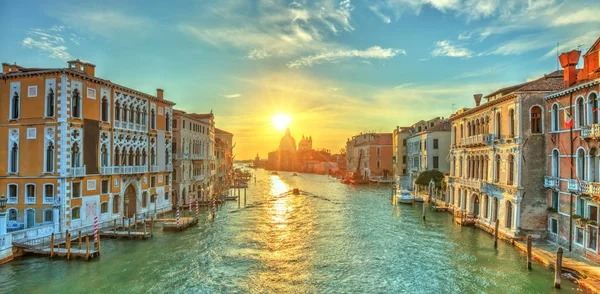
(281, 121)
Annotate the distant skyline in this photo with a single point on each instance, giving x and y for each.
(336, 68)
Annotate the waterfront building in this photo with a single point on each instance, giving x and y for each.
(223, 160)
(399, 158)
(352, 155)
(376, 159)
(305, 144)
(572, 122)
(427, 148)
(496, 164)
(79, 147)
(193, 155)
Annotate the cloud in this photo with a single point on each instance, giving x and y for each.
(374, 52)
(381, 15)
(482, 72)
(445, 48)
(404, 85)
(272, 28)
(465, 36)
(50, 42)
(587, 15)
(231, 96)
(101, 20)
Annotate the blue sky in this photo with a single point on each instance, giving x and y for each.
(337, 67)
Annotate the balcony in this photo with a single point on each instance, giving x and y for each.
(551, 182)
(29, 200)
(78, 171)
(154, 168)
(590, 131)
(106, 170)
(176, 155)
(128, 170)
(473, 183)
(169, 167)
(124, 125)
(477, 140)
(584, 187)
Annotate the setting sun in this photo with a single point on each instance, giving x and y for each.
(281, 121)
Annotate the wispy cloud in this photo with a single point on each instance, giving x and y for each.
(98, 19)
(481, 72)
(374, 52)
(465, 36)
(273, 28)
(231, 96)
(49, 42)
(446, 48)
(404, 85)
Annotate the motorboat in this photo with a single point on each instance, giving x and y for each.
(403, 196)
(240, 185)
(294, 174)
(275, 173)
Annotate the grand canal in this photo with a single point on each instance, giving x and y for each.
(347, 240)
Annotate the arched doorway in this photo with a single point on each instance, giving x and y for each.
(183, 197)
(475, 205)
(131, 196)
(30, 218)
(508, 214)
(174, 197)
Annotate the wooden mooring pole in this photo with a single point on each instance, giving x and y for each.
(144, 229)
(87, 247)
(528, 252)
(68, 245)
(79, 239)
(558, 267)
(151, 227)
(52, 245)
(424, 210)
(244, 196)
(98, 243)
(496, 232)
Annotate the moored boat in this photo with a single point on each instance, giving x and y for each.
(403, 196)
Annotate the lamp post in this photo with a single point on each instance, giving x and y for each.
(3, 215)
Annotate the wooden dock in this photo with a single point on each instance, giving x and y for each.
(463, 219)
(125, 234)
(184, 223)
(55, 247)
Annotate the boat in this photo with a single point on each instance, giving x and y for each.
(403, 196)
(275, 173)
(240, 185)
(294, 174)
(230, 198)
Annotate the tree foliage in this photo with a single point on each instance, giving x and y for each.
(426, 176)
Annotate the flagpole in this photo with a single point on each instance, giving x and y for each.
(570, 192)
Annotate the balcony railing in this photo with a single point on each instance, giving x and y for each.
(169, 167)
(590, 131)
(176, 155)
(29, 200)
(125, 125)
(78, 171)
(154, 168)
(106, 170)
(12, 200)
(584, 187)
(551, 182)
(473, 183)
(115, 170)
(477, 140)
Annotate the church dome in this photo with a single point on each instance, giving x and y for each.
(287, 142)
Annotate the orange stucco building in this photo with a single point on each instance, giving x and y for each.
(77, 146)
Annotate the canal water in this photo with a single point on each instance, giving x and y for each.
(344, 240)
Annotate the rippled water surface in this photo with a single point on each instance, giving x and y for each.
(346, 240)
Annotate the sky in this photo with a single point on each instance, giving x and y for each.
(336, 67)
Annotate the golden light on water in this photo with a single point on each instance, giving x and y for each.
(281, 121)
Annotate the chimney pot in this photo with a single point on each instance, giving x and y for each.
(477, 98)
(89, 69)
(159, 93)
(5, 68)
(568, 61)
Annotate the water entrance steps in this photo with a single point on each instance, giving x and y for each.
(464, 219)
(62, 246)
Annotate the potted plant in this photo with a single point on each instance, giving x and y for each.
(552, 209)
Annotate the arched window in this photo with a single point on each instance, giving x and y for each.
(76, 213)
(117, 157)
(117, 110)
(144, 199)
(580, 113)
(14, 158)
(469, 129)
(167, 123)
(152, 157)
(152, 119)
(536, 120)
(12, 214)
(15, 106)
(76, 104)
(511, 169)
(555, 163)
(137, 157)
(144, 117)
(49, 166)
(486, 207)
(509, 214)
(50, 103)
(138, 115)
(75, 156)
(104, 109)
(592, 106)
(460, 166)
(125, 112)
(498, 125)
(104, 156)
(497, 172)
(581, 163)
(131, 114)
(144, 157)
(511, 122)
(130, 159)
(13, 193)
(593, 166)
(555, 119)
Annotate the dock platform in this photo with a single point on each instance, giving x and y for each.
(125, 234)
(184, 223)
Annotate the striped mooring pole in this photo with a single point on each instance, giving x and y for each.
(177, 216)
(197, 207)
(96, 229)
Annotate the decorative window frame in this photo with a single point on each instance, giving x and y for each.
(576, 125)
(76, 85)
(104, 92)
(45, 197)
(49, 134)
(10, 201)
(16, 215)
(550, 219)
(90, 93)
(44, 220)
(107, 203)
(32, 91)
(50, 85)
(73, 189)
(14, 87)
(553, 118)
(27, 197)
(13, 137)
(575, 228)
(73, 209)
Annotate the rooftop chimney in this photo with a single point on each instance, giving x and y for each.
(568, 61)
(159, 93)
(89, 69)
(477, 98)
(5, 68)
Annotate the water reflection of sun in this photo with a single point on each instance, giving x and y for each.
(278, 186)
